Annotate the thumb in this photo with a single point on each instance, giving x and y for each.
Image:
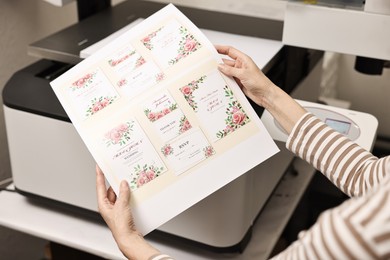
(124, 193)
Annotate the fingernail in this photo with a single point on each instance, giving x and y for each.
(124, 184)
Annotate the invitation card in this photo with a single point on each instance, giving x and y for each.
(187, 151)
(215, 105)
(171, 43)
(167, 118)
(91, 93)
(132, 154)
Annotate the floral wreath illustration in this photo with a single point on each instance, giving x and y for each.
(208, 151)
(146, 41)
(184, 124)
(167, 150)
(83, 82)
(119, 135)
(98, 104)
(236, 116)
(160, 76)
(113, 62)
(153, 116)
(139, 62)
(187, 45)
(188, 90)
(121, 83)
(143, 175)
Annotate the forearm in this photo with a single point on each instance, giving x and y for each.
(282, 107)
(356, 229)
(351, 168)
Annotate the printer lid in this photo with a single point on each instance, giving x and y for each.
(29, 90)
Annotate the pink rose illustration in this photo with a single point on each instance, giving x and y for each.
(145, 177)
(146, 39)
(122, 128)
(159, 115)
(160, 77)
(167, 150)
(235, 109)
(166, 111)
(186, 125)
(115, 136)
(151, 175)
(238, 118)
(104, 103)
(144, 174)
(79, 82)
(189, 45)
(96, 108)
(82, 81)
(229, 129)
(139, 62)
(142, 179)
(186, 90)
(118, 135)
(122, 82)
(208, 151)
(151, 116)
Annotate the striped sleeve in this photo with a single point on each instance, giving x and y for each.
(357, 229)
(351, 168)
(160, 257)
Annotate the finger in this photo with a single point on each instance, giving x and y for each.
(101, 190)
(229, 62)
(229, 71)
(111, 195)
(230, 51)
(222, 49)
(124, 193)
(238, 63)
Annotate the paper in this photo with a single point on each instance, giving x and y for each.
(153, 109)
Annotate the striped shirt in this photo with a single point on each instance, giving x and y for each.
(360, 227)
(160, 257)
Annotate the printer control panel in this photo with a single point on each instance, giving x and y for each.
(357, 126)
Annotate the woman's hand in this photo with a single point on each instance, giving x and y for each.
(249, 77)
(259, 88)
(116, 212)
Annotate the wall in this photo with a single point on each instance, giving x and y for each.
(257, 8)
(23, 22)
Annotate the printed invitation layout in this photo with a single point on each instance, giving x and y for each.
(153, 109)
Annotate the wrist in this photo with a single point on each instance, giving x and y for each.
(284, 108)
(271, 96)
(134, 246)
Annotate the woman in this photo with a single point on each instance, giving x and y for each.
(357, 229)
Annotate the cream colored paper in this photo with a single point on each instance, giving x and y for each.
(152, 108)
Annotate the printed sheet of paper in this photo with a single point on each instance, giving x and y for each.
(153, 109)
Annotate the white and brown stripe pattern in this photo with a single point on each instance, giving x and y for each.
(160, 257)
(360, 227)
(348, 166)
